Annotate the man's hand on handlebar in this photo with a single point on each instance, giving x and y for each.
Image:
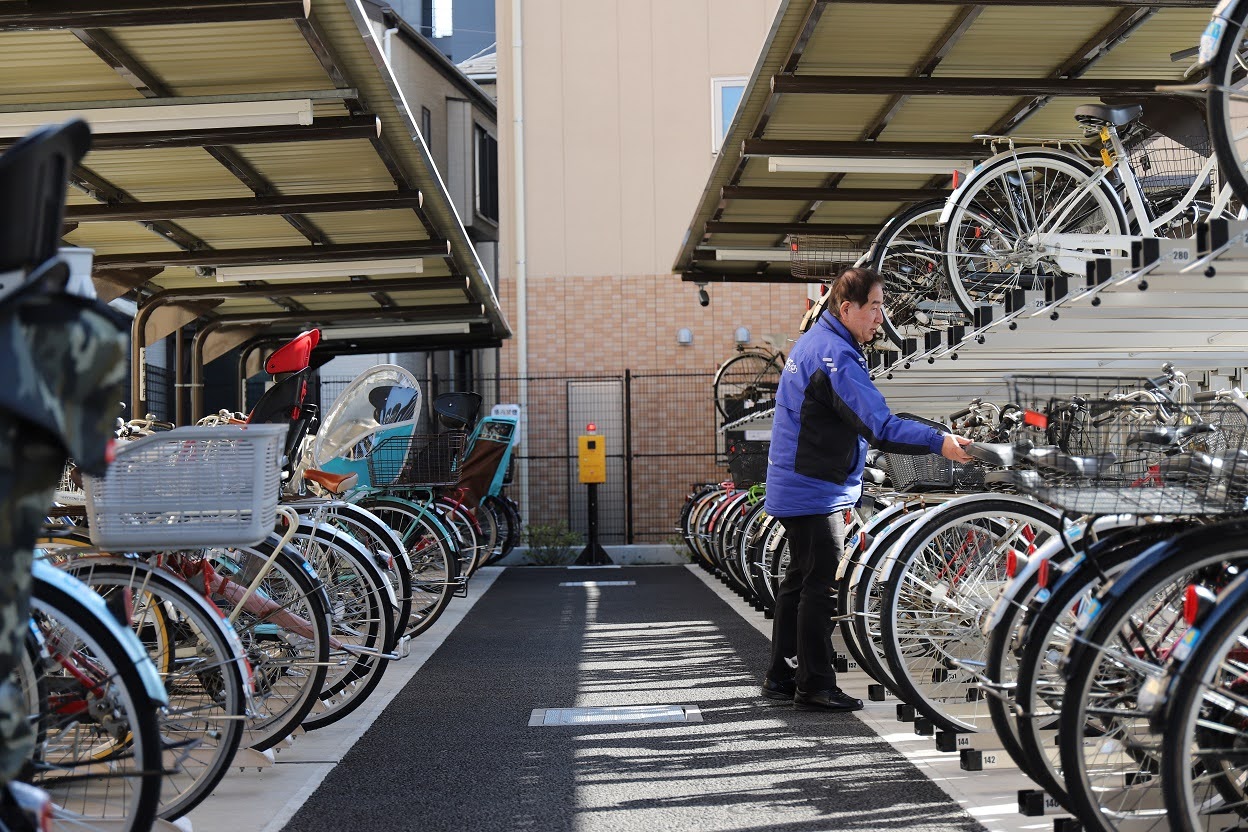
(952, 448)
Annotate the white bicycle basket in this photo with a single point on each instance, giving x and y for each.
(189, 487)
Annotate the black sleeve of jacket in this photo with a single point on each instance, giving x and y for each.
(861, 389)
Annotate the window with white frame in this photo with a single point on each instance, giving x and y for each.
(725, 97)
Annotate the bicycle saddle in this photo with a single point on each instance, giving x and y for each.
(991, 453)
(335, 484)
(1095, 115)
(1169, 435)
(1081, 466)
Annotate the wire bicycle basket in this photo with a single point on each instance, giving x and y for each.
(747, 462)
(1147, 459)
(189, 487)
(417, 460)
(927, 472)
(1162, 164)
(814, 257)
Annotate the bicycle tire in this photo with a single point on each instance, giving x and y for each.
(935, 598)
(1225, 129)
(206, 684)
(361, 615)
(1202, 764)
(1105, 792)
(748, 377)
(971, 224)
(435, 564)
(288, 667)
(130, 709)
(866, 600)
(1045, 637)
(907, 254)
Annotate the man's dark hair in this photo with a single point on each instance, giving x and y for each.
(853, 285)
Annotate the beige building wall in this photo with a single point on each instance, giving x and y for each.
(617, 137)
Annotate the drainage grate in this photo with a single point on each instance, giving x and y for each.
(619, 715)
(598, 583)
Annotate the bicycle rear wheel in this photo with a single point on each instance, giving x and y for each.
(908, 254)
(746, 382)
(435, 564)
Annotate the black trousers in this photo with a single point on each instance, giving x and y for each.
(806, 602)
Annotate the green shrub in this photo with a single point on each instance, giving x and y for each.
(551, 544)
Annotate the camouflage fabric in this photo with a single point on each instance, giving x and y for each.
(61, 378)
(62, 371)
(30, 465)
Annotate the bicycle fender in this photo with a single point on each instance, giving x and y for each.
(860, 568)
(1047, 552)
(869, 530)
(952, 202)
(43, 572)
(1207, 540)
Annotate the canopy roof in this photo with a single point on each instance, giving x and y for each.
(266, 135)
(886, 81)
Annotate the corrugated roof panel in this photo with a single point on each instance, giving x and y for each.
(828, 117)
(866, 39)
(47, 67)
(245, 232)
(854, 212)
(320, 167)
(1146, 54)
(256, 56)
(872, 180)
(167, 173)
(751, 210)
(1022, 42)
(369, 226)
(1055, 120)
(946, 118)
(118, 238)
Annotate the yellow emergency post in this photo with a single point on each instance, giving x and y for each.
(591, 456)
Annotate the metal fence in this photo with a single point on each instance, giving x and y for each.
(659, 429)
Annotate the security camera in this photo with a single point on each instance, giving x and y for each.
(704, 297)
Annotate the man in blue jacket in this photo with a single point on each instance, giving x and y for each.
(827, 412)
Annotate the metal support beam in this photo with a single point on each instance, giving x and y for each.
(201, 299)
(78, 14)
(322, 130)
(99, 188)
(275, 254)
(247, 207)
(817, 147)
(1007, 87)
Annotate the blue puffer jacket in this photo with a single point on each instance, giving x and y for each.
(827, 412)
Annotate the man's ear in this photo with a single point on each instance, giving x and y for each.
(845, 307)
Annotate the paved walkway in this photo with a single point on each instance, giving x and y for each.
(454, 749)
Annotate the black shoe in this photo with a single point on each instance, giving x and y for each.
(779, 690)
(834, 699)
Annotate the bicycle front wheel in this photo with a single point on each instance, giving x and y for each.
(98, 746)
